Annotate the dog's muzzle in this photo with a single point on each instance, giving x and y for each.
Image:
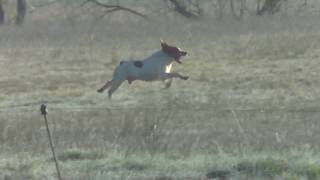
(182, 53)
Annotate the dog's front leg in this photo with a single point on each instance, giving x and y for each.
(114, 86)
(174, 75)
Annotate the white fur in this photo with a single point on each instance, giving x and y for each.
(155, 67)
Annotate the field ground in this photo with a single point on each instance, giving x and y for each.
(249, 110)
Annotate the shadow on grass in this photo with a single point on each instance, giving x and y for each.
(74, 155)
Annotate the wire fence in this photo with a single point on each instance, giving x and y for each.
(75, 108)
(159, 127)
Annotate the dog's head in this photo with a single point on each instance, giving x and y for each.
(173, 51)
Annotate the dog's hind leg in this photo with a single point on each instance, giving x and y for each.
(115, 85)
(104, 87)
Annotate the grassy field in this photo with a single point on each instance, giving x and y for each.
(249, 110)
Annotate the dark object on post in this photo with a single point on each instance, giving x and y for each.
(21, 11)
(2, 16)
(43, 109)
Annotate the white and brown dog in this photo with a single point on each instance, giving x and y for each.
(153, 68)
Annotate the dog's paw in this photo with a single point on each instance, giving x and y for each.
(185, 77)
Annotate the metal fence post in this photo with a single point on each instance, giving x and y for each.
(44, 112)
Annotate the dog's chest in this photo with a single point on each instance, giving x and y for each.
(148, 71)
(152, 68)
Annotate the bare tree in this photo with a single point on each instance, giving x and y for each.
(237, 8)
(269, 6)
(182, 8)
(21, 11)
(113, 8)
(2, 14)
(221, 6)
(258, 6)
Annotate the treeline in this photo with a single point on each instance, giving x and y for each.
(237, 8)
(191, 9)
(21, 12)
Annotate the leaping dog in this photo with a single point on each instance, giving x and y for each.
(155, 67)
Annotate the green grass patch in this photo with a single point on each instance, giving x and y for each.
(265, 166)
(81, 164)
(280, 167)
(310, 170)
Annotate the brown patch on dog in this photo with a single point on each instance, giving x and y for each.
(138, 64)
(173, 51)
